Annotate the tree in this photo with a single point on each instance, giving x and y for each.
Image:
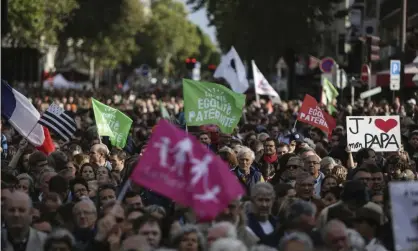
(169, 38)
(31, 20)
(207, 50)
(107, 29)
(263, 30)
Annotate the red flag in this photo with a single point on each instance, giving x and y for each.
(312, 114)
(48, 145)
(179, 167)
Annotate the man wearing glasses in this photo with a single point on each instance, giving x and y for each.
(312, 164)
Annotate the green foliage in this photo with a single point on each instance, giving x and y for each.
(31, 19)
(108, 30)
(262, 30)
(168, 37)
(113, 32)
(208, 53)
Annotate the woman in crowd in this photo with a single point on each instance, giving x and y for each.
(280, 211)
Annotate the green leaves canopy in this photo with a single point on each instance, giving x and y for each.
(168, 36)
(31, 19)
(108, 30)
(112, 32)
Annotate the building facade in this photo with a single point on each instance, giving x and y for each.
(390, 30)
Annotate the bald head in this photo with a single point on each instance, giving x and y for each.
(101, 148)
(17, 212)
(335, 235)
(134, 242)
(98, 153)
(20, 196)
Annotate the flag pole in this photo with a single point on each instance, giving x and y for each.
(33, 128)
(121, 195)
(124, 190)
(257, 98)
(294, 126)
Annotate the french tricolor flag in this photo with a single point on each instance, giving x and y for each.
(23, 116)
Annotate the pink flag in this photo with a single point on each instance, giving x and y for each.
(179, 167)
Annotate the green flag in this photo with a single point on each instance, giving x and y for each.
(329, 91)
(111, 122)
(208, 103)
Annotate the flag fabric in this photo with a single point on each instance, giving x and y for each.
(208, 103)
(48, 145)
(179, 167)
(232, 70)
(111, 122)
(59, 121)
(23, 116)
(332, 124)
(329, 93)
(310, 113)
(261, 85)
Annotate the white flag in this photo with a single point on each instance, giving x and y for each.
(261, 85)
(232, 70)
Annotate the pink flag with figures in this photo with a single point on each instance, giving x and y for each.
(179, 167)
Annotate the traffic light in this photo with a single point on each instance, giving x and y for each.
(356, 57)
(373, 48)
(212, 68)
(190, 63)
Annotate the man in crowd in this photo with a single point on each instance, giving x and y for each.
(261, 222)
(18, 218)
(268, 163)
(105, 223)
(98, 156)
(312, 166)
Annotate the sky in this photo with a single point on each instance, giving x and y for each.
(200, 19)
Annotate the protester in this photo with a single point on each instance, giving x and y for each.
(300, 191)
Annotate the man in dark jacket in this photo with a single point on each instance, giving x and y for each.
(261, 222)
(269, 161)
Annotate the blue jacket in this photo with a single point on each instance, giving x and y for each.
(254, 177)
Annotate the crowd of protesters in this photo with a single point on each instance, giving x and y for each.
(305, 190)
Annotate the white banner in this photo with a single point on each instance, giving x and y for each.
(261, 85)
(232, 70)
(381, 133)
(404, 201)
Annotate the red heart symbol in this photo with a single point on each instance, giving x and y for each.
(387, 125)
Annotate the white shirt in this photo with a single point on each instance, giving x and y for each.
(267, 227)
(375, 246)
